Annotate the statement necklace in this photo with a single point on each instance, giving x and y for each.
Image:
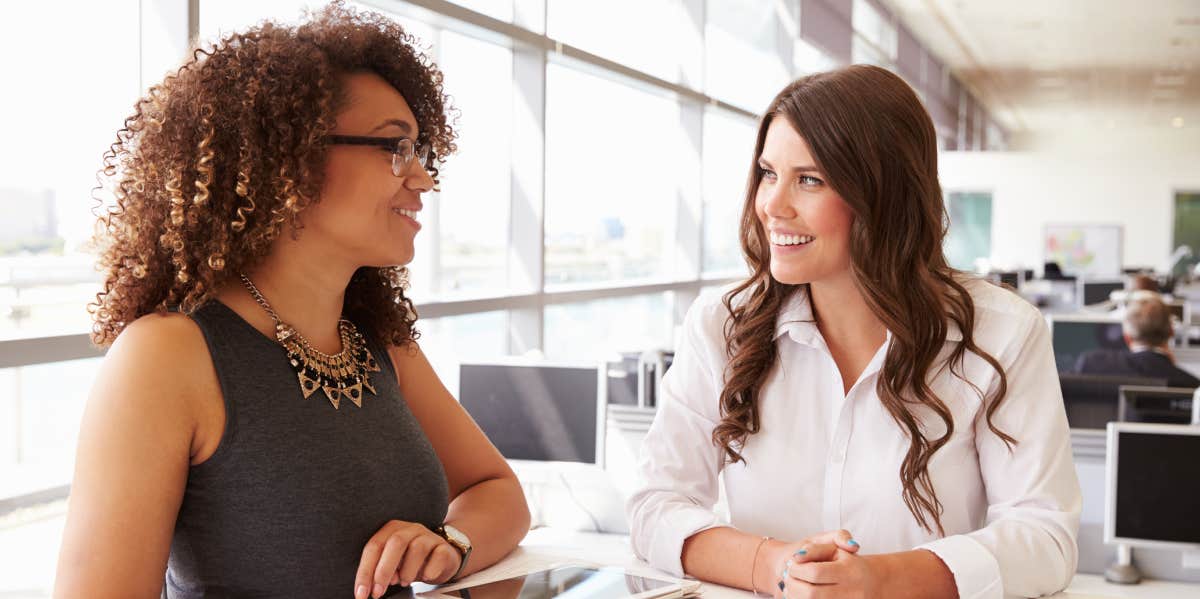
(342, 375)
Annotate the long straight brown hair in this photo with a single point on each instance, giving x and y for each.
(875, 143)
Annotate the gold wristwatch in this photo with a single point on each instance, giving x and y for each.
(458, 541)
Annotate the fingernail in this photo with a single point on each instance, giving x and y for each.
(781, 585)
(801, 553)
(360, 592)
(378, 592)
(783, 574)
(852, 542)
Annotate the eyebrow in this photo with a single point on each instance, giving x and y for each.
(405, 126)
(799, 169)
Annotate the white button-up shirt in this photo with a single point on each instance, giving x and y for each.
(827, 460)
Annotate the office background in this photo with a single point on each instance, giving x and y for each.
(603, 151)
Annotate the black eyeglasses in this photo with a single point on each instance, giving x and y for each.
(403, 149)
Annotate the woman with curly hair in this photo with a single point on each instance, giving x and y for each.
(264, 423)
(856, 382)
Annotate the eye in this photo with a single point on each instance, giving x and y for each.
(809, 180)
(766, 174)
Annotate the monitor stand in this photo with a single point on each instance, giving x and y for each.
(1123, 571)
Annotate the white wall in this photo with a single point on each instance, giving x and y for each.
(1102, 176)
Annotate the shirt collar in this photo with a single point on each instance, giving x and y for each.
(796, 320)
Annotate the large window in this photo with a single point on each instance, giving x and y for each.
(1186, 231)
(450, 341)
(877, 28)
(613, 165)
(587, 332)
(968, 243)
(658, 37)
(746, 46)
(728, 154)
(61, 120)
(473, 206)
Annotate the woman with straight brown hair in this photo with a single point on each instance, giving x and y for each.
(855, 382)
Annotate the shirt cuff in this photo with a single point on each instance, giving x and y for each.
(976, 571)
(666, 546)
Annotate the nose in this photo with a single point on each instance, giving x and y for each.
(776, 203)
(416, 178)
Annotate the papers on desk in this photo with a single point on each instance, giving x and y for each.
(525, 561)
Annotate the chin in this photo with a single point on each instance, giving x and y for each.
(790, 277)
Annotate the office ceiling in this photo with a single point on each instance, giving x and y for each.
(1041, 65)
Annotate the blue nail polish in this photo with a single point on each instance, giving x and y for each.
(781, 585)
(800, 553)
(852, 542)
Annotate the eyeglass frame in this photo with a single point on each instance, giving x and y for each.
(396, 144)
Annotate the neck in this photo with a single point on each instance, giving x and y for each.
(302, 286)
(842, 314)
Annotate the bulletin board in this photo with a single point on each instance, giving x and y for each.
(1084, 250)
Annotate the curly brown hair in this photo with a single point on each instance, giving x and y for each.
(876, 145)
(229, 148)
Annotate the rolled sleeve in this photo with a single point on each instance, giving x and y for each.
(678, 474)
(976, 571)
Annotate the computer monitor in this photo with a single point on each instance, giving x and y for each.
(1010, 278)
(634, 379)
(1092, 401)
(1158, 405)
(1152, 480)
(1073, 336)
(1098, 292)
(621, 383)
(537, 412)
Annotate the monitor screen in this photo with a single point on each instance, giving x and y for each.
(1012, 279)
(1072, 339)
(1155, 405)
(1092, 401)
(1096, 292)
(544, 413)
(621, 385)
(1155, 483)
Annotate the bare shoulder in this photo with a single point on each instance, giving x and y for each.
(161, 365)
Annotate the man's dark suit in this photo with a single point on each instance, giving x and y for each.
(1146, 363)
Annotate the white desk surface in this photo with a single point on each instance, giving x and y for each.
(546, 546)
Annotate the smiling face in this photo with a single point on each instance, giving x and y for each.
(806, 222)
(366, 213)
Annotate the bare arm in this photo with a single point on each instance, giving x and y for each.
(135, 444)
(487, 502)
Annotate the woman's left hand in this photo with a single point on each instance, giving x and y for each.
(827, 572)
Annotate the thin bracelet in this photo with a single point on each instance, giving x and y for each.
(754, 562)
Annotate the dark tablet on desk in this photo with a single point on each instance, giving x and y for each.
(578, 583)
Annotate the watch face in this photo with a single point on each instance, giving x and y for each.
(457, 537)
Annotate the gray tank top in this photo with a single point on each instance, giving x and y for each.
(295, 489)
